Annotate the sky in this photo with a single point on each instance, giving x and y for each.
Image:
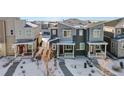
(61, 18)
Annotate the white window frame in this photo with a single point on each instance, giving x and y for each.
(80, 32)
(53, 46)
(54, 31)
(68, 33)
(96, 33)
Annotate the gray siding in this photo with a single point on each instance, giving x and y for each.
(120, 49)
(91, 38)
(61, 29)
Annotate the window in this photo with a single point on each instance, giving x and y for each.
(118, 31)
(122, 45)
(96, 33)
(67, 33)
(80, 32)
(68, 47)
(98, 47)
(53, 46)
(81, 46)
(29, 48)
(54, 32)
(11, 31)
(28, 32)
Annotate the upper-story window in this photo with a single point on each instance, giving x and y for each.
(11, 31)
(80, 32)
(54, 32)
(118, 31)
(67, 33)
(122, 45)
(96, 33)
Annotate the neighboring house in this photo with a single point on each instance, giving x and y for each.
(114, 35)
(69, 41)
(27, 36)
(96, 46)
(7, 35)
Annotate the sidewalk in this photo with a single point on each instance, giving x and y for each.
(64, 68)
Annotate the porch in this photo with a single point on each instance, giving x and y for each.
(21, 49)
(65, 50)
(97, 49)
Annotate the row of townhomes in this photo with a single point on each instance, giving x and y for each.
(68, 38)
(73, 37)
(18, 37)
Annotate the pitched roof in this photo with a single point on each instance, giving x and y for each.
(30, 24)
(113, 23)
(120, 24)
(94, 24)
(75, 22)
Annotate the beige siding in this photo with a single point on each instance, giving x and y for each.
(2, 39)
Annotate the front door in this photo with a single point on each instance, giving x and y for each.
(21, 49)
(61, 49)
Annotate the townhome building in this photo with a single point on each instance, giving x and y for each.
(7, 35)
(71, 38)
(27, 38)
(96, 46)
(114, 35)
(17, 36)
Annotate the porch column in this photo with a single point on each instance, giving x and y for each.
(57, 51)
(73, 51)
(15, 49)
(32, 50)
(63, 51)
(105, 51)
(89, 51)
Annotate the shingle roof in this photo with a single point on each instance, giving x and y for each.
(30, 24)
(76, 22)
(113, 23)
(120, 24)
(94, 24)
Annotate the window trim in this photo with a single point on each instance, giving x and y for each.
(53, 46)
(96, 33)
(68, 36)
(54, 31)
(80, 32)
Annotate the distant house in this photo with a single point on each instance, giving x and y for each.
(114, 35)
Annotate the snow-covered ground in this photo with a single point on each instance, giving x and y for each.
(4, 61)
(116, 63)
(80, 70)
(35, 68)
(28, 68)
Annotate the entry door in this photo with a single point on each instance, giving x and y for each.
(21, 49)
(61, 49)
